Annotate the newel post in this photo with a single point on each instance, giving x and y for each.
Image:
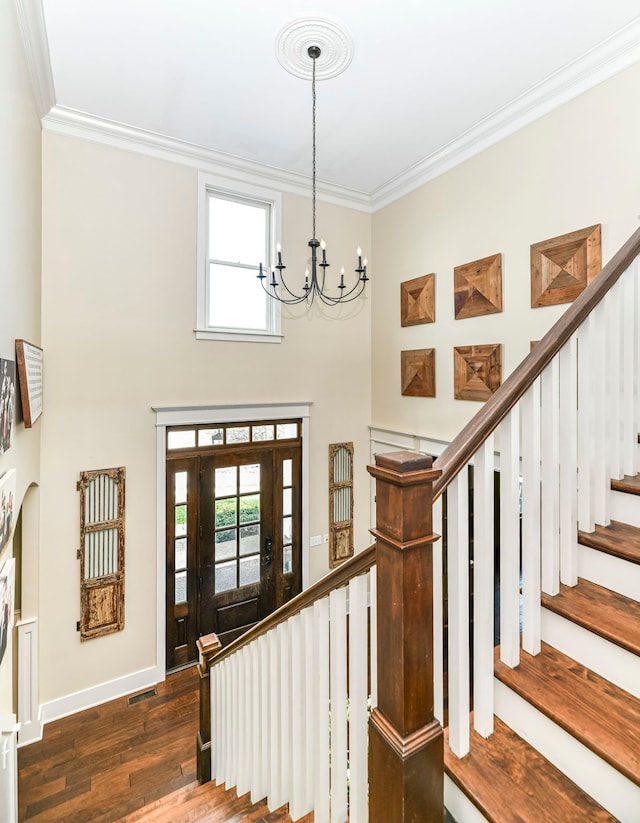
(208, 646)
(406, 774)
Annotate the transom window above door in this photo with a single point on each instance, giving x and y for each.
(231, 434)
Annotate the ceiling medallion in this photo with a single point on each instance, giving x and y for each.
(294, 40)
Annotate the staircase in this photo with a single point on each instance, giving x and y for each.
(567, 741)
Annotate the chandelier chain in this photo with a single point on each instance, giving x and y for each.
(313, 168)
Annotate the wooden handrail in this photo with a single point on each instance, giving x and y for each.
(461, 450)
(338, 577)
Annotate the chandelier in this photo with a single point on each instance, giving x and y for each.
(315, 274)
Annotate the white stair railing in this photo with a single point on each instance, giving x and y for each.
(571, 429)
(290, 709)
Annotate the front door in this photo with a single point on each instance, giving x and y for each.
(233, 532)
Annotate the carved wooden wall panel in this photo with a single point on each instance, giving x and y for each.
(101, 552)
(563, 266)
(478, 287)
(477, 371)
(340, 503)
(418, 372)
(417, 301)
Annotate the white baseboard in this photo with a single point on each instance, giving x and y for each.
(458, 804)
(103, 692)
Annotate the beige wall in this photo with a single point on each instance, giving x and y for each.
(19, 271)
(119, 291)
(573, 168)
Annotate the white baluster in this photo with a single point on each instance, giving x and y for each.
(298, 741)
(244, 719)
(613, 380)
(311, 677)
(260, 746)
(285, 712)
(634, 274)
(509, 540)
(438, 616)
(568, 462)
(373, 635)
(323, 750)
(585, 439)
(338, 689)
(358, 715)
(234, 726)
(483, 588)
(458, 614)
(530, 422)
(550, 452)
(629, 378)
(601, 476)
(274, 795)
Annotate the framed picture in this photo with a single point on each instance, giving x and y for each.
(417, 300)
(7, 508)
(7, 589)
(7, 402)
(29, 359)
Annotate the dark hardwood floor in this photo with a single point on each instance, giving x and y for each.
(128, 760)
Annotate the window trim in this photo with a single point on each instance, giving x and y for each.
(210, 183)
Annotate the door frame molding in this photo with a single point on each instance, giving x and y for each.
(197, 415)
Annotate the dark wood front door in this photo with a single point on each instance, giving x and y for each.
(233, 540)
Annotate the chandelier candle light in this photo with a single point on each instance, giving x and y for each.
(314, 283)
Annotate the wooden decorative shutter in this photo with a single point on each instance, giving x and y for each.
(101, 552)
(340, 503)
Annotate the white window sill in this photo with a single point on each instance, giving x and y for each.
(240, 336)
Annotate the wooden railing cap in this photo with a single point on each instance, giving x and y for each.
(404, 461)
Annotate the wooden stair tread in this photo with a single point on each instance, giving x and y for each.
(618, 539)
(629, 484)
(606, 613)
(211, 803)
(497, 775)
(603, 717)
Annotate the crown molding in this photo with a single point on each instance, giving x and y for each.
(74, 123)
(36, 47)
(613, 55)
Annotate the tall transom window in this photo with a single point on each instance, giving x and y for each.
(236, 233)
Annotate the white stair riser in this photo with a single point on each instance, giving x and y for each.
(609, 571)
(618, 666)
(597, 778)
(625, 508)
(459, 806)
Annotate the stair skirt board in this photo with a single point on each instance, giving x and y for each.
(624, 508)
(458, 804)
(608, 571)
(603, 657)
(597, 778)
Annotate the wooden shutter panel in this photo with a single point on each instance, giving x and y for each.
(101, 552)
(340, 503)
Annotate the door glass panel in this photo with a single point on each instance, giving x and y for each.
(287, 559)
(226, 544)
(181, 520)
(225, 576)
(181, 553)
(210, 437)
(286, 529)
(238, 434)
(181, 487)
(181, 439)
(249, 570)
(250, 508)
(287, 430)
(259, 433)
(286, 501)
(226, 481)
(226, 512)
(250, 478)
(287, 466)
(250, 539)
(181, 587)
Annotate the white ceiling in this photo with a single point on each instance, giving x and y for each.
(429, 81)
